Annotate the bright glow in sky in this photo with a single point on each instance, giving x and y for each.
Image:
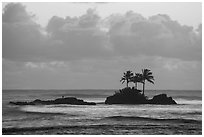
(184, 13)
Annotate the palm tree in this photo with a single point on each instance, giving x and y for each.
(136, 78)
(126, 77)
(147, 75)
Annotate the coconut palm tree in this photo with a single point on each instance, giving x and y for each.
(147, 75)
(126, 77)
(136, 78)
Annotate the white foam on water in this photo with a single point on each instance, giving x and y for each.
(45, 109)
(73, 110)
(185, 101)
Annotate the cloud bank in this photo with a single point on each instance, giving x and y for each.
(90, 36)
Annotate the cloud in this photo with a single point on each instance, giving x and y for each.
(90, 36)
(156, 36)
(15, 12)
(22, 37)
(63, 39)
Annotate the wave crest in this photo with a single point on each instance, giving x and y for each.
(153, 119)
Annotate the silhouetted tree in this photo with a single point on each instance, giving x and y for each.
(126, 77)
(147, 75)
(136, 78)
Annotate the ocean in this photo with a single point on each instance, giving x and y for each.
(184, 118)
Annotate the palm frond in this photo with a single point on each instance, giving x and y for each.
(150, 77)
(147, 75)
(151, 81)
(127, 76)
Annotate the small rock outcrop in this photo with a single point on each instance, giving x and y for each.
(132, 96)
(67, 100)
(162, 99)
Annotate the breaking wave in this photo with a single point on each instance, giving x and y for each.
(153, 119)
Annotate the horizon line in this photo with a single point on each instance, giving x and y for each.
(105, 89)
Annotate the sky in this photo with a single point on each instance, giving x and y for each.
(90, 45)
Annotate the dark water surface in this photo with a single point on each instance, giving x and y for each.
(184, 118)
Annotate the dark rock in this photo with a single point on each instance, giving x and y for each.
(132, 96)
(127, 96)
(68, 100)
(21, 103)
(162, 99)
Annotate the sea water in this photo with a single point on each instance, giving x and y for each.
(184, 118)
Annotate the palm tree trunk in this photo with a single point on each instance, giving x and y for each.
(127, 84)
(136, 85)
(143, 87)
